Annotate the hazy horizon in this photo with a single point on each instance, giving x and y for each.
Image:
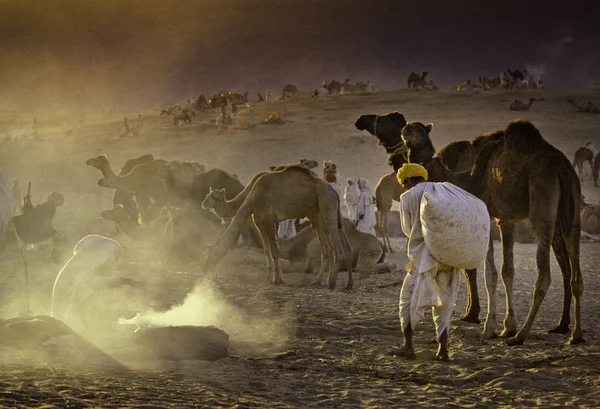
(147, 54)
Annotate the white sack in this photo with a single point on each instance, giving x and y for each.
(456, 225)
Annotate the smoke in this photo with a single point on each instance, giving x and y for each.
(205, 306)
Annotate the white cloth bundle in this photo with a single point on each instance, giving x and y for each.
(456, 225)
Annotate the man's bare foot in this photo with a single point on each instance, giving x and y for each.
(442, 356)
(403, 351)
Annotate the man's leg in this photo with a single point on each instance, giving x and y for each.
(447, 280)
(408, 286)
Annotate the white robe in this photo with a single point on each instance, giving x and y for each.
(428, 283)
(287, 229)
(366, 209)
(87, 271)
(351, 196)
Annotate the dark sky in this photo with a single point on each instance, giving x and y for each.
(146, 53)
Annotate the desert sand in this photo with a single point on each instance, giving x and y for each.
(293, 345)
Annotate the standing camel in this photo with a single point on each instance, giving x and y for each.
(387, 190)
(519, 175)
(415, 80)
(583, 155)
(289, 89)
(270, 200)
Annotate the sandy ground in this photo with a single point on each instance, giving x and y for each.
(292, 345)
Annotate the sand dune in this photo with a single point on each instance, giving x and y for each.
(297, 346)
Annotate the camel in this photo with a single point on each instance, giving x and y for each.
(517, 105)
(387, 129)
(386, 191)
(304, 253)
(415, 81)
(182, 118)
(583, 155)
(142, 181)
(123, 198)
(239, 99)
(134, 182)
(333, 87)
(289, 89)
(596, 169)
(520, 175)
(584, 107)
(270, 200)
(517, 76)
(132, 228)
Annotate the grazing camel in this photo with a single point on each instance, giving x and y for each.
(289, 89)
(386, 191)
(270, 200)
(304, 253)
(519, 175)
(583, 155)
(517, 105)
(584, 107)
(415, 80)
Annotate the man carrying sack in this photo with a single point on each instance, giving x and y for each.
(439, 220)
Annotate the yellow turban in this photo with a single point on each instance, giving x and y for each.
(411, 170)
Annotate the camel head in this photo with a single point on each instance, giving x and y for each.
(329, 168)
(116, 214)
(416, 138)
(98, 162)
(214, 199)
(386, 128)
(311, 164)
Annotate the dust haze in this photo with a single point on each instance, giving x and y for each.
(147, 54)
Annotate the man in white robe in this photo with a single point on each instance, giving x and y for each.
(351, 195)
(428, 283)
(365, 209)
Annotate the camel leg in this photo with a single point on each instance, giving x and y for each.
(491, 287)
(325, 251)
(473, 307)
(383, 227)
(336, 253)
(562, 257)
(348, 257)
(265, 242)
(508, 274)
(269, 235)
(542, 213)
(572, 242)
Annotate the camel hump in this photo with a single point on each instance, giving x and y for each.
(451, 154)
(522, 134)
